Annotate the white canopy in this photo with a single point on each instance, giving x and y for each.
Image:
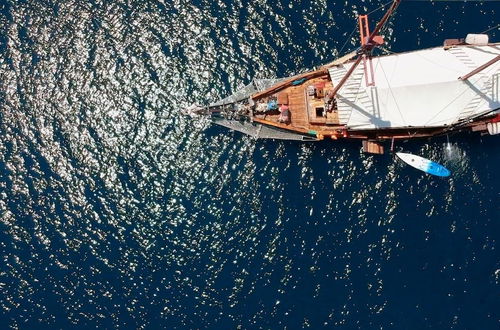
(420, 88)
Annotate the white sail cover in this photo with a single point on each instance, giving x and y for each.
(420, 88)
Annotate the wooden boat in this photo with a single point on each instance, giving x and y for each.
(423, 93)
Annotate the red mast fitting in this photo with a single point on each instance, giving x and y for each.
(364, 33)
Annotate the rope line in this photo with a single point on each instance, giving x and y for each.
(495, 27)
(348, 39)
(393, 97)
(381, 7)
(465, 90)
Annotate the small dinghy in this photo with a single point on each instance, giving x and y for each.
(424, 164)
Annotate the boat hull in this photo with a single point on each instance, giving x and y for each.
(261, 131)
(415, 95)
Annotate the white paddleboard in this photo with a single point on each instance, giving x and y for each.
(423, 164)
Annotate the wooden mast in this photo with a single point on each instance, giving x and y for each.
(481, 68)
(289, 82)
(384, 20)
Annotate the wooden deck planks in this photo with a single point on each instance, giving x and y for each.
(298, 105)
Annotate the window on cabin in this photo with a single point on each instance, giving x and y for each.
(319, 111)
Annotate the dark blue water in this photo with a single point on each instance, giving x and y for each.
(117, 211)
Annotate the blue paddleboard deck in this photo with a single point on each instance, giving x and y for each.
(424, 164)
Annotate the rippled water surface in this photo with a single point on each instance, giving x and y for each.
(117, 211)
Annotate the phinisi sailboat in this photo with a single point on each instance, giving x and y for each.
(423, 93)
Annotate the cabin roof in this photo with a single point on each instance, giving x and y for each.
(419, 88)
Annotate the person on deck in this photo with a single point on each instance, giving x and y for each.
(284, 114)
(272, 105)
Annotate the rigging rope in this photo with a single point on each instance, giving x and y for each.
(345, 43)
(465, 90)
(393, 96)
(379, 8)
(498, 26)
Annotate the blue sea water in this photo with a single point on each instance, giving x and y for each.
(118, 211)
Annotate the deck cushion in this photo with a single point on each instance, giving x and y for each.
(283, 98)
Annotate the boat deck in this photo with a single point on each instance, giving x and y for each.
(306, 111)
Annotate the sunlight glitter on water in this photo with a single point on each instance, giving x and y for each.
(117, 211)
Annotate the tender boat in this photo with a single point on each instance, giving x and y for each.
(423, 93)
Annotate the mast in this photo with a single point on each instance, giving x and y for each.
(384, 20)
(481, 68)
(367, 46)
